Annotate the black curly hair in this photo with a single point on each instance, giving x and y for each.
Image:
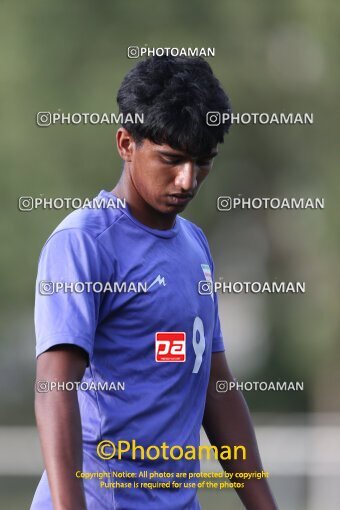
(174, 95)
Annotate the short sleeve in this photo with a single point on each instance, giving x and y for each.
(71, 258)
(217, 343)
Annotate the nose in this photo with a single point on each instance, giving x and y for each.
(186, 178)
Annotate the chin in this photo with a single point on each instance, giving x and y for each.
(170, 208)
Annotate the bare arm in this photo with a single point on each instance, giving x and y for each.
(227, 422)
(59, 425)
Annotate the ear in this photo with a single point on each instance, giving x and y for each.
(125, 144)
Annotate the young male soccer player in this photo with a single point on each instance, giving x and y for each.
(170, 389)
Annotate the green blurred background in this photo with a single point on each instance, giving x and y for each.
(270, 57)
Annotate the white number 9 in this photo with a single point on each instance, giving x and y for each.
(199, 346)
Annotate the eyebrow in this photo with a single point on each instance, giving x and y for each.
(181, 155)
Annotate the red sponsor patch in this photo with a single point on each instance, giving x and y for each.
(170, 346)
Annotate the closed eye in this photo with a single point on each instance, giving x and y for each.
(204, 163)
(172, 161)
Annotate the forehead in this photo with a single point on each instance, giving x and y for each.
(165, 149)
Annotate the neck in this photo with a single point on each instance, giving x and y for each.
(140, 209)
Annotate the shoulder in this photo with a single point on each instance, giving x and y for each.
(84, 230)
(195, 232)
(94, 221)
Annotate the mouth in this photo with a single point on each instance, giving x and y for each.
(181, 198)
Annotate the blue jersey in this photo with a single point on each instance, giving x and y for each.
(149, 331)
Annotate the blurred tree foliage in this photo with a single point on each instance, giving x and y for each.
(269, 57)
